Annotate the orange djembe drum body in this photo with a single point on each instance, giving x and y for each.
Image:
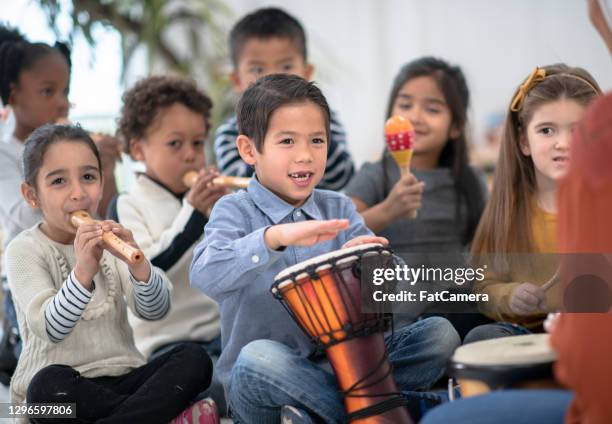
(323, 295)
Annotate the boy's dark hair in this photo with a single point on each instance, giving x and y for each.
(42, 138)
(269, 93)
(142, 103)
(266, 23)
(18, 54)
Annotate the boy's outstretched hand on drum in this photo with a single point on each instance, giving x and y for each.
(304, 233)
(364, 240)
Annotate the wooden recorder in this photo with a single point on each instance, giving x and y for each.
(233, 182)
(132, 255)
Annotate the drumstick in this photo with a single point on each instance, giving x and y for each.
(132, 255)
(225, 180)
(399, 135)
(553, 280)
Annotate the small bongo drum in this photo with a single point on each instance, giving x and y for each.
(507, 362)
(323, 295)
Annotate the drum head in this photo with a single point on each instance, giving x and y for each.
(527, 349)
(504, 362)
(324, 261)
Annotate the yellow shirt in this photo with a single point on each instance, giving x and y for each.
(544, 231)
(537, 268)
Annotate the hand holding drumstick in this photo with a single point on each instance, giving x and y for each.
(93, 237)
(527, 299)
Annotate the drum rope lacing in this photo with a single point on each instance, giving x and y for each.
(395, 401)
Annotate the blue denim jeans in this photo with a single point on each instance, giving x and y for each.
(268, 374)
(504, 407)
(494, 331)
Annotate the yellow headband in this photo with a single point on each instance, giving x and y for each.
(537, 75)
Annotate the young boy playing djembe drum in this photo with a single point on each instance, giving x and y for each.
(280, 220)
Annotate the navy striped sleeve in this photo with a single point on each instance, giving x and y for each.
(65, 309)
(229, 161)
(152, 299)
(166, 259)
(181, 242)
(340, 168)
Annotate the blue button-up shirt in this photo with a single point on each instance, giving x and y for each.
(233, 265)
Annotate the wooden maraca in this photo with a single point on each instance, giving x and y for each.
(399, 135)
(132, 255)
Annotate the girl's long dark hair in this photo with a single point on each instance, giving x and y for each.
(454, 155)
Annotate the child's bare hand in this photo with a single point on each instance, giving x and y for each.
(528, 299)
(120, 231)
(141, 270)
(204, 193)
(405, 197)
(88, 250)
(366, 239)
(304, 233)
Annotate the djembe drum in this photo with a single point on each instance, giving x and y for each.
(323, 295)
(517, 361)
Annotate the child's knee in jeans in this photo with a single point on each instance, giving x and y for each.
(262, 357)
(493, 331)
(442, 336)
(264, 353)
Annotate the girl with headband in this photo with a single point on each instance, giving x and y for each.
(517, 233)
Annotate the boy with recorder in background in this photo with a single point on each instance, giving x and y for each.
(164, 123)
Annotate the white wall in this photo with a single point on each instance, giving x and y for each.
(95, 87)
(359, 45)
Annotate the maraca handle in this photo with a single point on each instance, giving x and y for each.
(404, 171)
(132, 255)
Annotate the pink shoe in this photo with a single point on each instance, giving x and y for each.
(202, 412)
